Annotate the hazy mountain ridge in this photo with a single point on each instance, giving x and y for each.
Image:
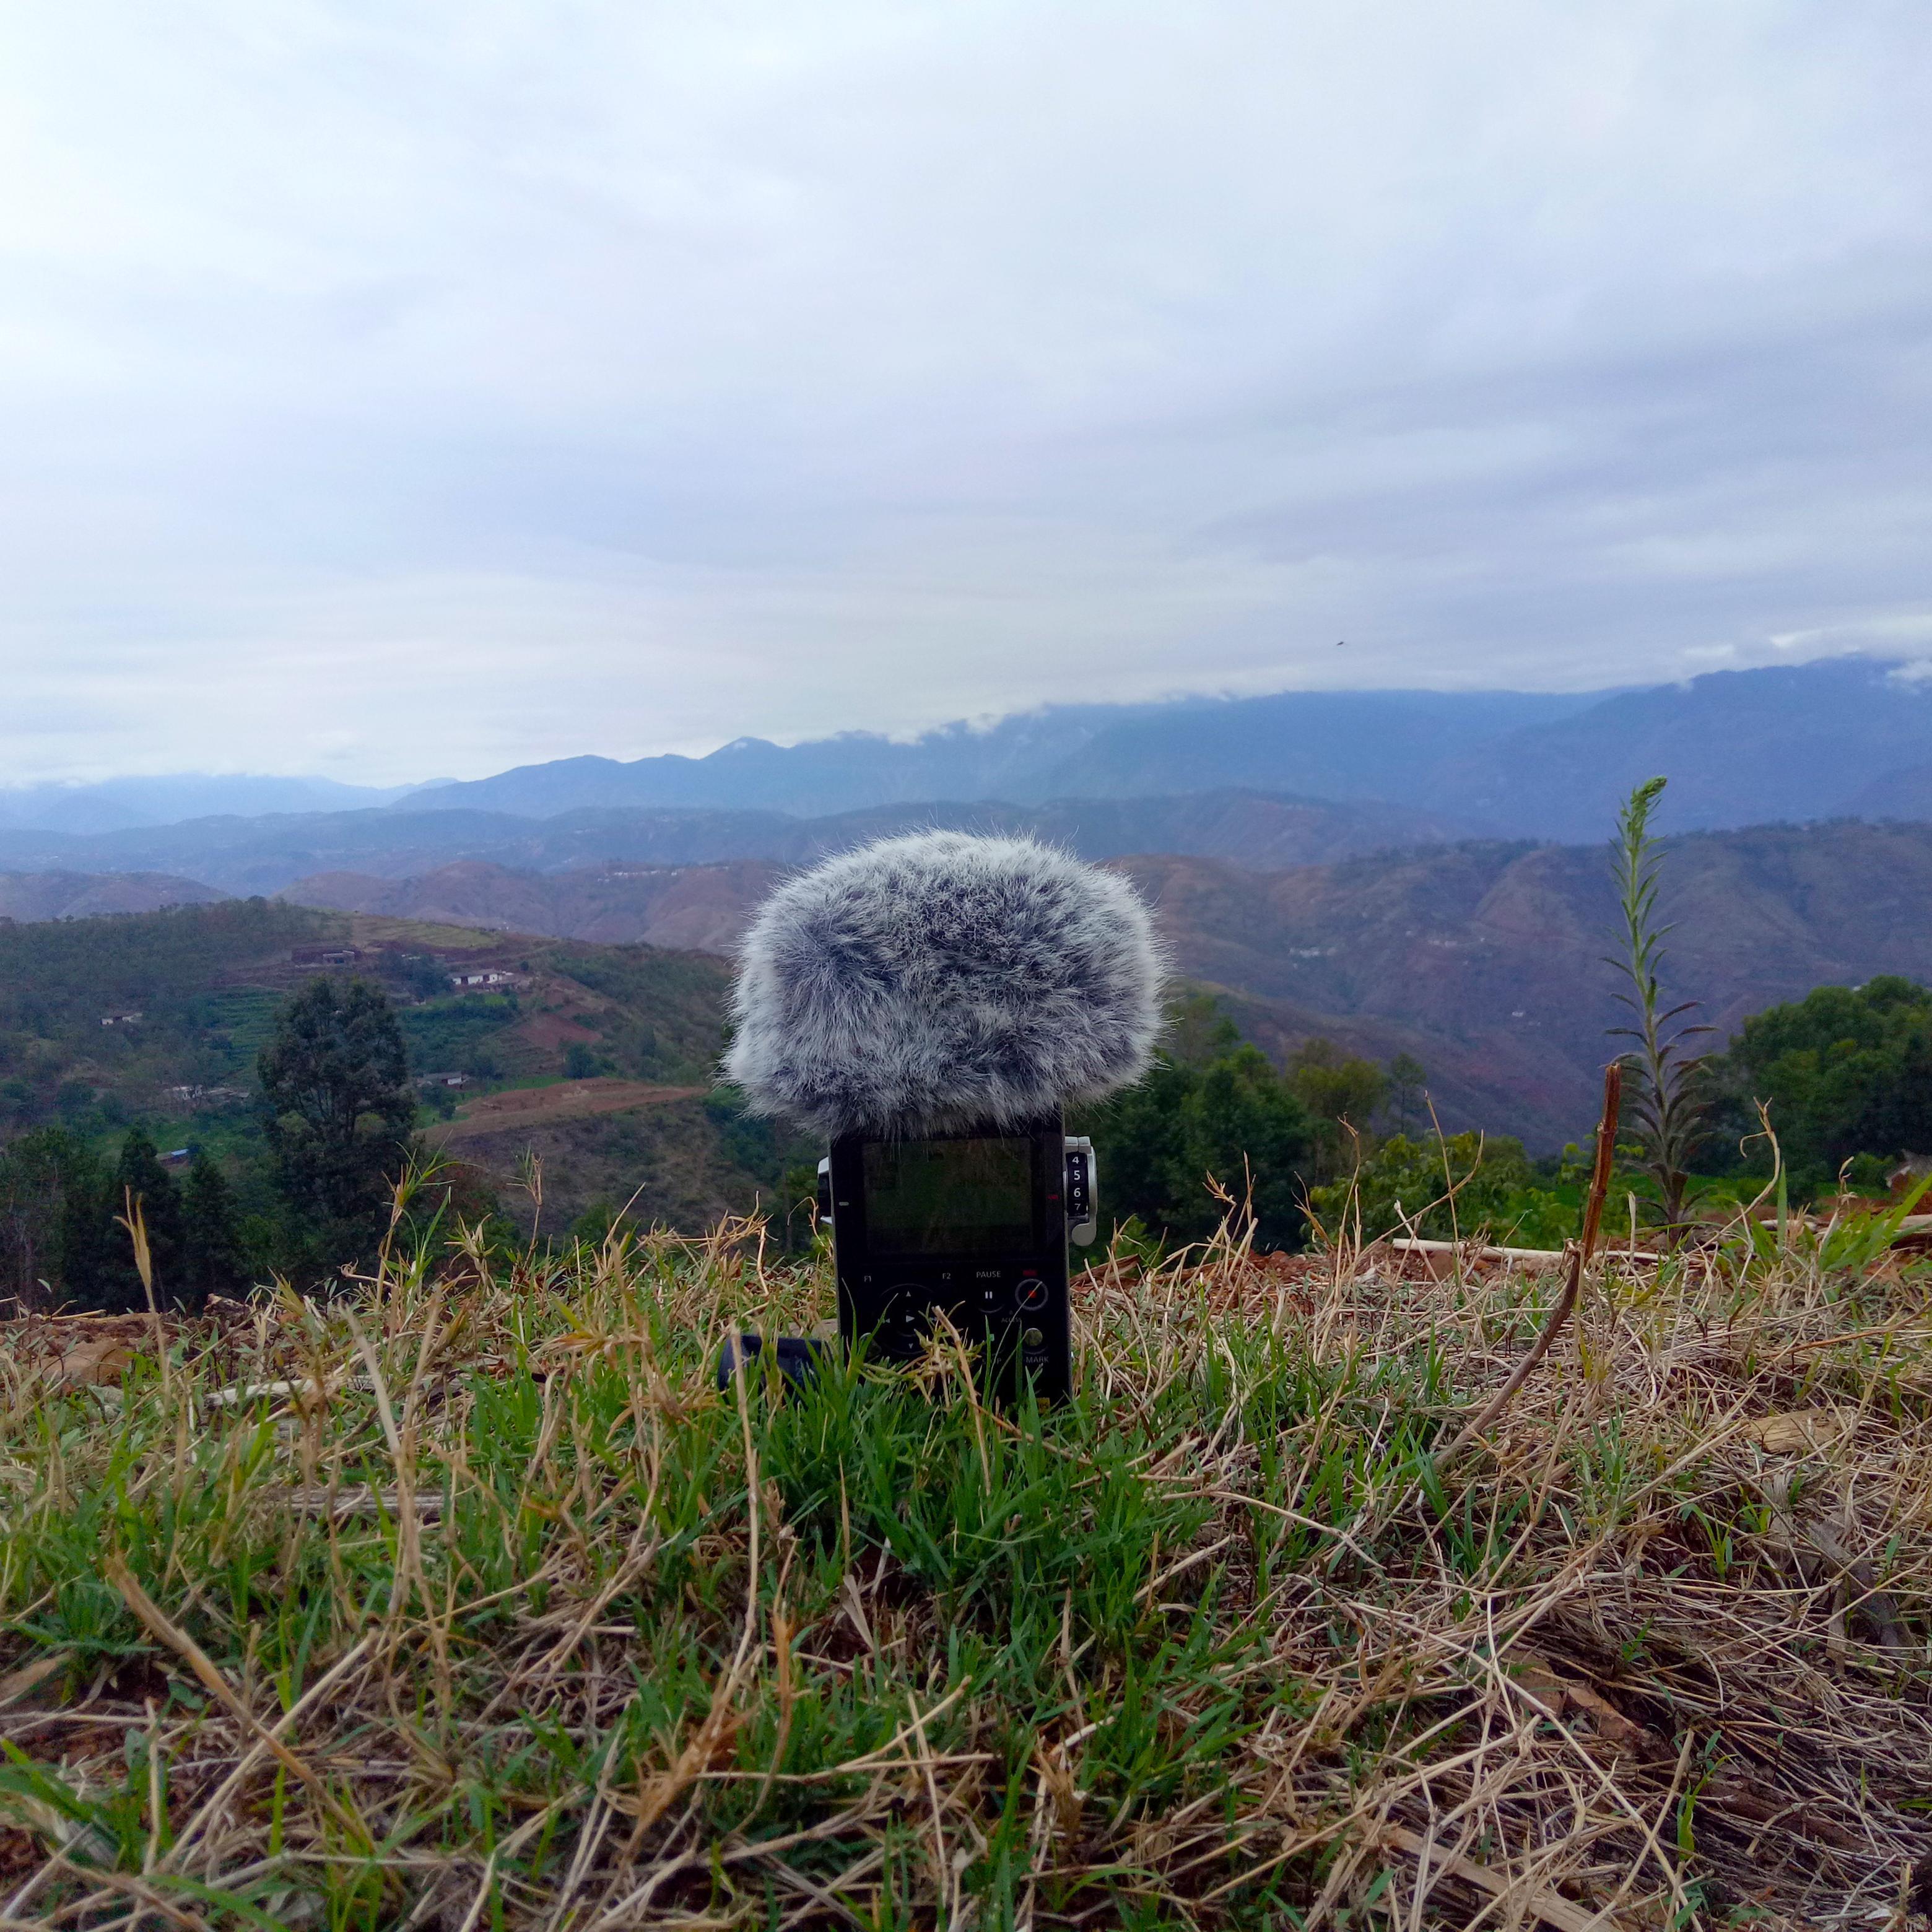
(851, 771)
(117, 805)
(1801, 742)
(268, 855)
(1341, 745)
(1805, 743)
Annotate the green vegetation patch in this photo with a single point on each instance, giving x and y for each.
(1846, 1073)
(667, 1023)
(61, 974)
(456, 1035)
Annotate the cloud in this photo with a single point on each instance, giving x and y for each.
(432, 389)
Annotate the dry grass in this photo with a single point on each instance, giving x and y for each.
(470, 1602)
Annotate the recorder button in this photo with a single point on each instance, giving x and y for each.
(1031, 1293)
(1033, 1338)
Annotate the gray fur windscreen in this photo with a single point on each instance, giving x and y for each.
(932, 982)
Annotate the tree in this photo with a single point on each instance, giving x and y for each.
(337, 1111)
(1342, 1092)
(1663, 1098)
(1406, 1076)
(212, 1257)
(1404, 1185)
(52, 1221)
(1243, 1124)
(140, 1179)
(1845, 1071)
(1210, 1108)
(90, 1243)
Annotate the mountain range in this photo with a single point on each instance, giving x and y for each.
(268, 854)
(1839, 737)
(117, 805)
(1336, 863)
(1332, 744)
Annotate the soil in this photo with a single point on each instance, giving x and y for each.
(543, 1106)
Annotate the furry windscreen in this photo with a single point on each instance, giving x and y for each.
(931, 983)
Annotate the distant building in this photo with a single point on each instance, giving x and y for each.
(121, 1019)
(178, 1157)
(480, 976)
(326, 955)
(442, 1080)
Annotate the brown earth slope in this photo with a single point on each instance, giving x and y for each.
(1491, 956)
(522, 1108)
(37, 895)
(665, 1160)
(683, 908)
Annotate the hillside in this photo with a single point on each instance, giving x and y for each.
(697, 908)
(38, 895)
(269, 854)
(1484, 960)
(470, 1601)
(597, 1059)
(1491, 954)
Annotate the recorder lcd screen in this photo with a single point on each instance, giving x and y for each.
(949, 1197)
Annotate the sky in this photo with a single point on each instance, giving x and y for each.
(390, 390)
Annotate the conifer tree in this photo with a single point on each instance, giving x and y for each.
(140, 1177)
(337, 1110)
(88, 1240)
(52, 1221)
(213, 1260)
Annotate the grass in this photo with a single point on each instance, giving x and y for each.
(502, 1615)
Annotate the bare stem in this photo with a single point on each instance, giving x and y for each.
(1580, 1251)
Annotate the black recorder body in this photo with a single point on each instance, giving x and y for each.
(972, 1225)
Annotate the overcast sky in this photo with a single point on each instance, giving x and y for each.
(390, 390)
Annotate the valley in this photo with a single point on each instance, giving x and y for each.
(1481, 959)
(1484, 960)
(597, 1058)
